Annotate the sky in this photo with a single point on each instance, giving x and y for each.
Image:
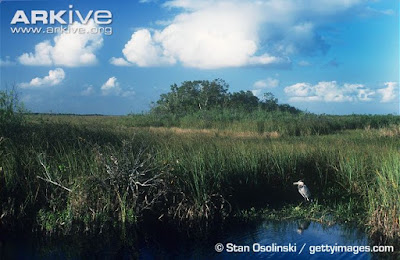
(117, 57)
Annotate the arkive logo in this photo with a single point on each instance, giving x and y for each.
(70, 16)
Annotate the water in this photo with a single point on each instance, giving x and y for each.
(168, 245)
(273, 234)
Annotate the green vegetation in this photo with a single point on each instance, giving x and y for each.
(72, 174)
(11, 109)
(285, 124)
(203, 95)
(209, 105)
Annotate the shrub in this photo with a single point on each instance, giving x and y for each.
(11, 109)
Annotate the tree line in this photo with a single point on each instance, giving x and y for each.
(201, 95)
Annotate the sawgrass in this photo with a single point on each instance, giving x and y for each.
(198, 177)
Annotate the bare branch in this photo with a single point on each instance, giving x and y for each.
(55, 183)
(48, 176)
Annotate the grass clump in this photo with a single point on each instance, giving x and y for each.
(108, 173)
(11, 109)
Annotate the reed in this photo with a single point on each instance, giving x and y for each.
(63, 174)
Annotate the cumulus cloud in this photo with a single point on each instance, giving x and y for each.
(211, 34)
(144, 51)
(119, 62)
(55, 77)
(299, 90)
(266, 83)
(261, 85)
(70, 48)
(112, 87)
(328, 91)
(390, 93)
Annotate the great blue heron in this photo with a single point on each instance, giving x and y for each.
(303, 190)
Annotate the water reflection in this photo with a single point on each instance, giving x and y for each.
(273, 236)
(302, 225)
(169, 245)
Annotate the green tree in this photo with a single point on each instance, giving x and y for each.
(269, 102)
(243, 100)
(213, 94)
(203, 95)
(193, 96)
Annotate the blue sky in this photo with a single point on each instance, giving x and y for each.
(325, 56)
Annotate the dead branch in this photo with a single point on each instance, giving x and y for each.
(48, 176)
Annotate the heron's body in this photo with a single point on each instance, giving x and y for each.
(303, 190)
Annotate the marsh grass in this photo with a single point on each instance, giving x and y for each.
(196, 177)
(260, 121)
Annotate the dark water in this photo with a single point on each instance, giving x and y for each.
(167, 245)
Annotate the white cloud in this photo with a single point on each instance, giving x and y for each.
(143, 51)
(266, 83)
(299, 90)
(267, 59)
(260, 86)
(42, 55)
(390, 93)
(365, 94)
(328, 91)
(112, 87)
(222, 34)
(211, 34)
(6, 62)
(209, 37)
(69, 49)
(88, 91)
(55, 77)
(119, 62)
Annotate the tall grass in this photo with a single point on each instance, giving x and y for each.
(384, 197)
(263, 121)
(193, 177)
